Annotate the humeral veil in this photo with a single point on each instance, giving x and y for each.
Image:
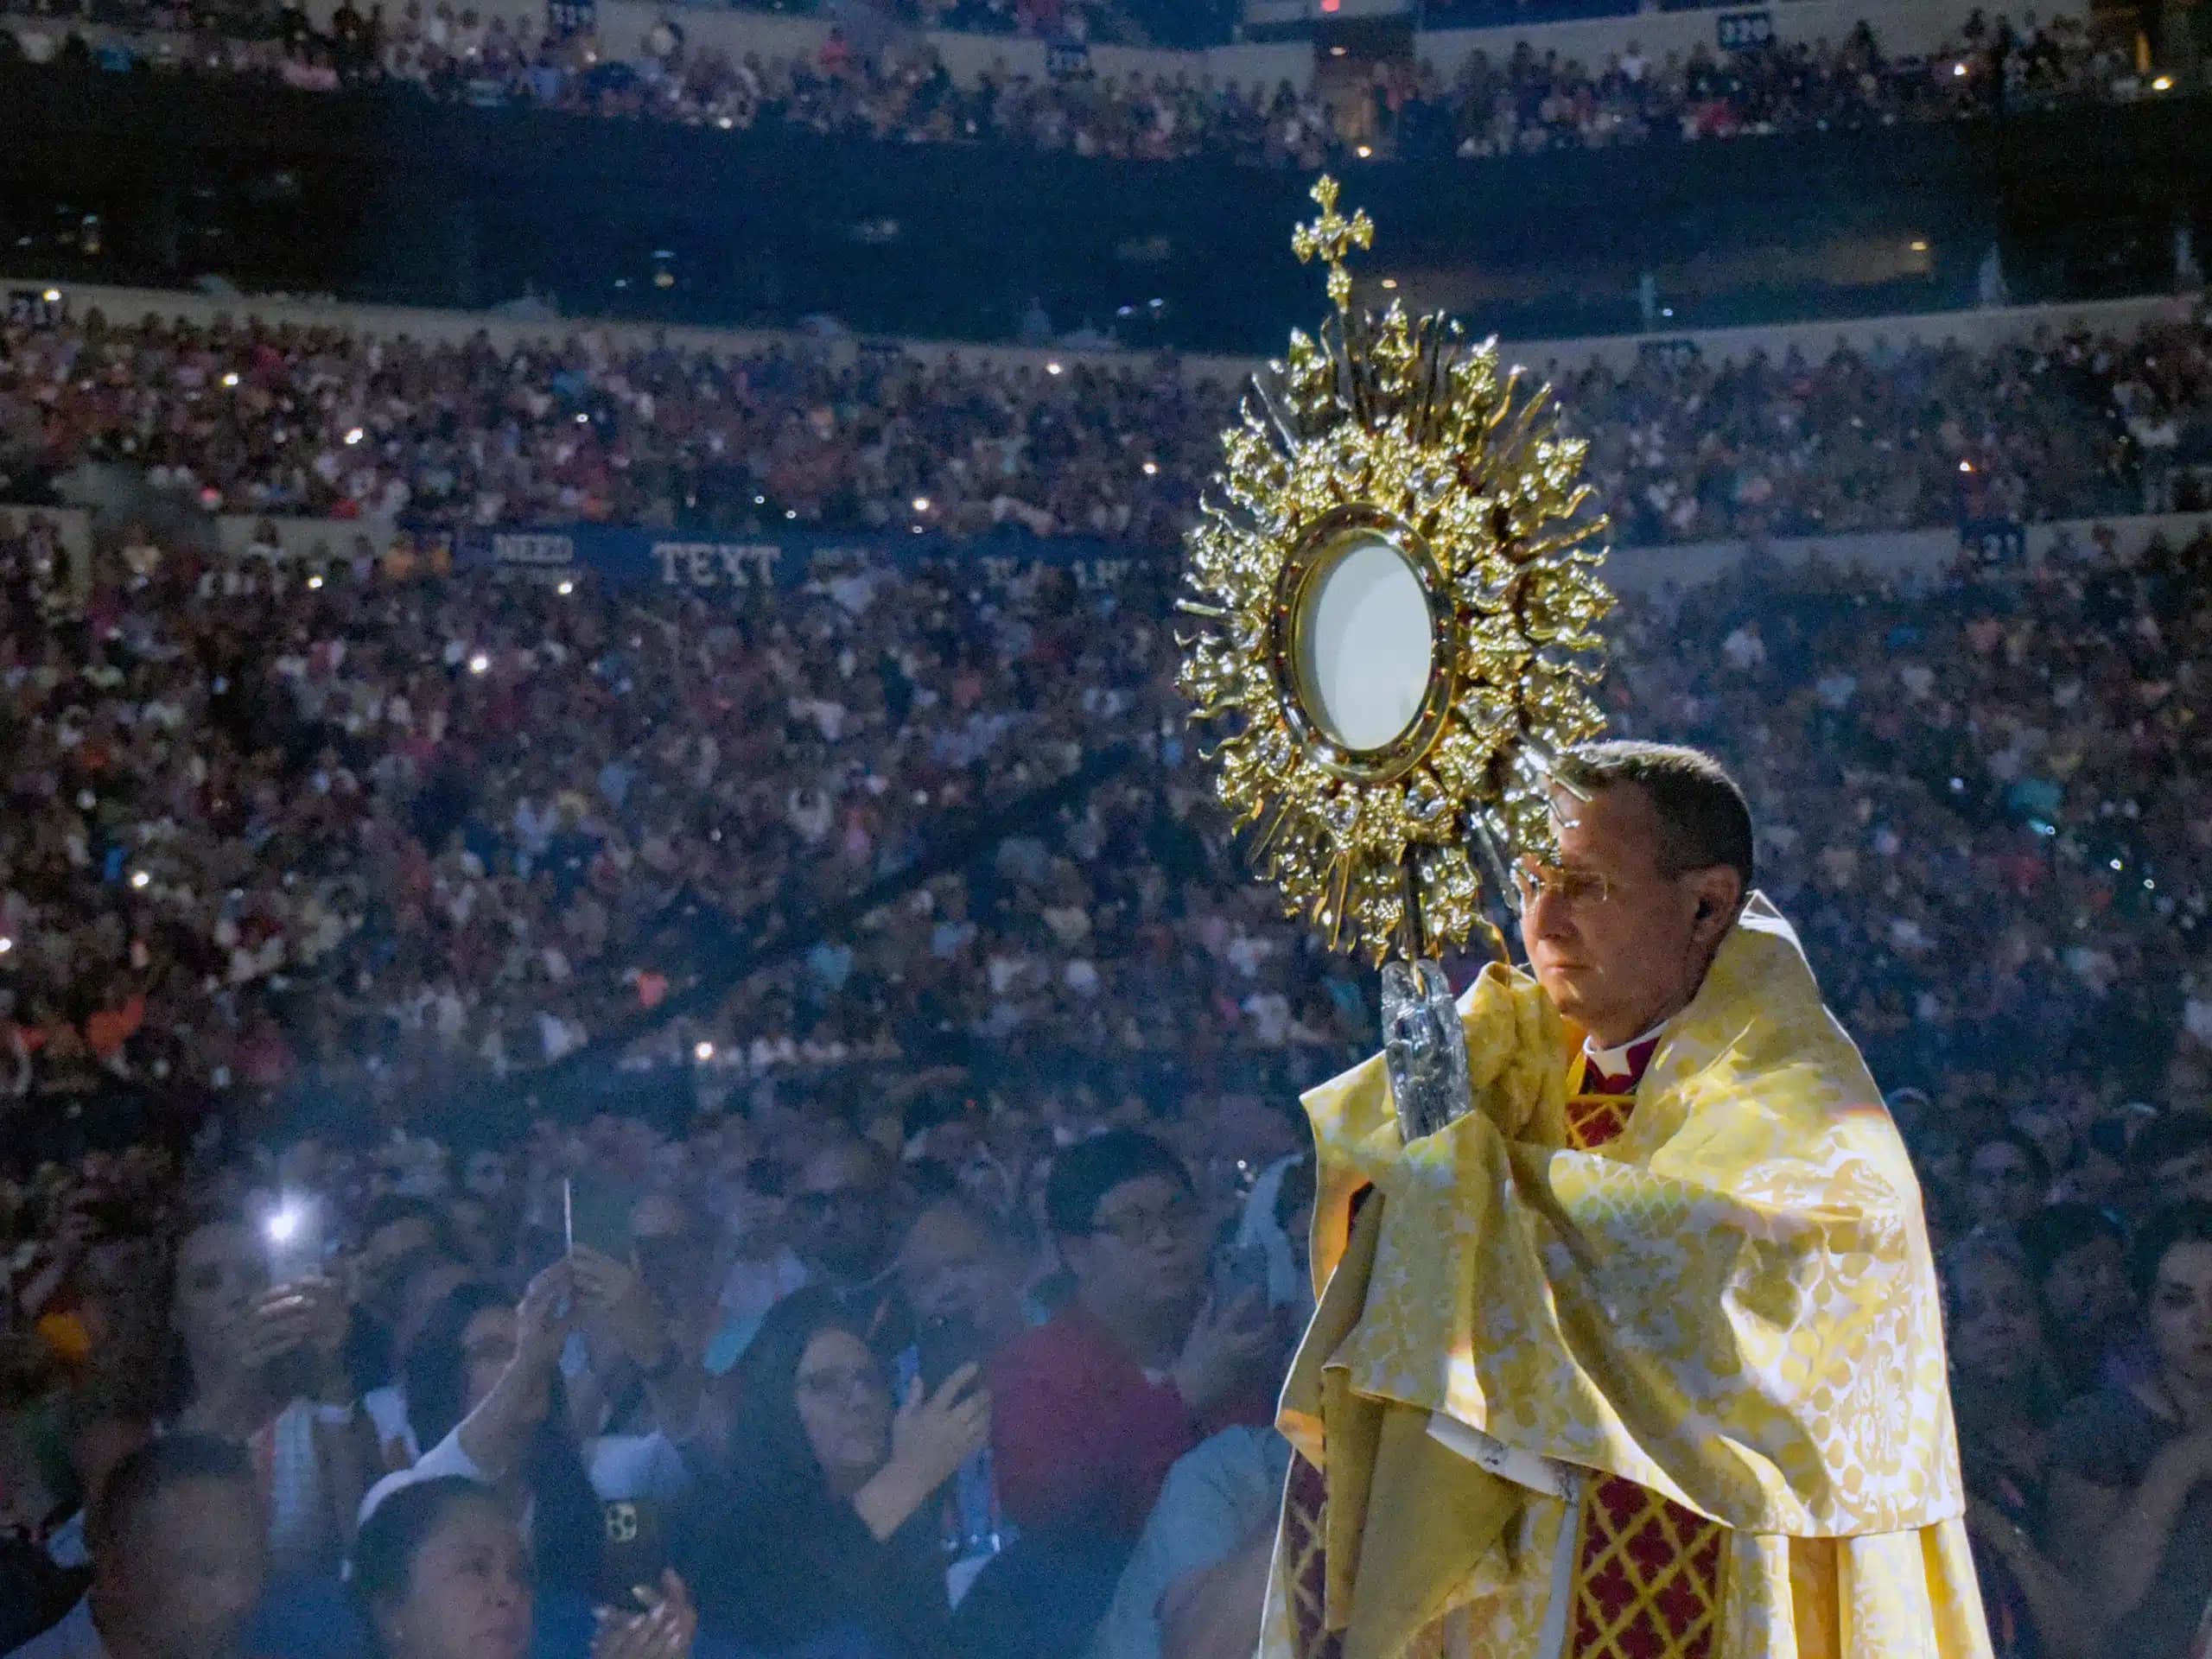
(1732, 1304)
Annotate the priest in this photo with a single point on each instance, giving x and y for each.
(1640, 1357)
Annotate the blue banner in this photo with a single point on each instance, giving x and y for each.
(737, 567)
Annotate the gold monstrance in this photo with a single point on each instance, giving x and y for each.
(1399, 610)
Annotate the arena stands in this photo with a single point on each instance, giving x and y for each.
(1521, 102)
(322, 421)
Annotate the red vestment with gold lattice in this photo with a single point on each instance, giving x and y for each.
(1647, 1576)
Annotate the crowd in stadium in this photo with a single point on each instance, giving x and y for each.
(1521, 103)
(325, 859)
(253, 419)
(267, 835)
(546, 1117)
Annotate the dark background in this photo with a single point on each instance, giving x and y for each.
(381, 194)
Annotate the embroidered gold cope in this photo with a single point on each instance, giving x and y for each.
(1730, 1304)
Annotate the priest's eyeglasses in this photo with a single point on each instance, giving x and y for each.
(1534, 881)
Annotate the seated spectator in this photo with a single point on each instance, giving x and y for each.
(2077, 1254)
(960, 1273)
(826, 1529)
(431, 1279)
(262, 1365)
(961, 1278)
(846, 1203)
(2006, 1180)
(478, 1235)
(2172, 1159)
(2132, 1494)
(651, 1321)
(397, 1230)
(2004, 1390)
(1220, 1501)
(441, 1571)
(484, 1397)
(763, 1267)
(1095, 1406)
(178, 1557)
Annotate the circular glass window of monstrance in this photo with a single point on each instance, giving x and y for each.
(1363, 653)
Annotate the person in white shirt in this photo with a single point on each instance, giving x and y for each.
(180, 1556)
(486, 1400)
(264, 1365)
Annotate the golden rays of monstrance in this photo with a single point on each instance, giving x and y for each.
(1398, 600)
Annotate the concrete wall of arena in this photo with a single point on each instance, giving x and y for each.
(1903, 26)
(1975, 330)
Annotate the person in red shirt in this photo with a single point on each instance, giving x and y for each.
(1091, 1409)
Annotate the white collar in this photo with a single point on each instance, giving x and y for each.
(1614, 1062)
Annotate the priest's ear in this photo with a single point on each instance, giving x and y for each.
(1718, 890)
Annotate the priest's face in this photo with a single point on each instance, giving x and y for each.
(1618, 940)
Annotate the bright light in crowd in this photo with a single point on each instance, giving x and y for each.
(1966, 466)
(315, 581)
(1152, 469)
(480, 664)
(284, 1224)
(6, 944)
(2162, 84)
(354, 435)
(921, 503)
(566, 587)
(725, 124)
(1959, 69)
(1390, 281)
(231, 378)
(52, 296)
(139, 878)
(1919, 245)
(1364, 151)
(703, 1052)
(1051, 368)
